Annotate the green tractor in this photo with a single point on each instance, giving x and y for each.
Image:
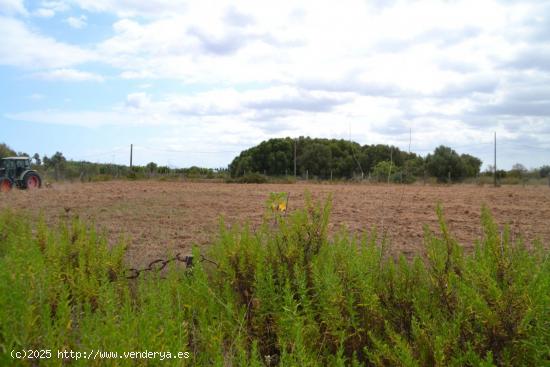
(17, 171)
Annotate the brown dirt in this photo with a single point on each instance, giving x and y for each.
(161, 217)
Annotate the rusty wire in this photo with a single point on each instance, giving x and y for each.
(159, 264)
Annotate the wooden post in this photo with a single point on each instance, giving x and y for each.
(131, 154)
(495, 165)
(424, 166)
(294, 158)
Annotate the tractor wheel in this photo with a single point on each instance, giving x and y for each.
(5, 185)
(32, 181)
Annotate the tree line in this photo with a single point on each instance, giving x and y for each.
(57, 167)
(342, 159)
(315, 158)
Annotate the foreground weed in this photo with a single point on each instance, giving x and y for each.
(281, 295)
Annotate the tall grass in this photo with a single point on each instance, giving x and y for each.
(283, 295)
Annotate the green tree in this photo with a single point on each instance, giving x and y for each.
(163, 170)
(414, 166)
(445, 162)
(345, 158)
(544, 171)
(316, 159)
(37, 159)
(6, 151)
(151, 167)
(57, 162)
(518, 171)
(472, 165)
(382, 171)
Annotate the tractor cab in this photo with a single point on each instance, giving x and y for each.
(15, 165)
(17, 171)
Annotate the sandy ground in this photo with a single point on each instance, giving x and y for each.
(162, 217)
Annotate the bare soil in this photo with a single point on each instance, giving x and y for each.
(157, 218)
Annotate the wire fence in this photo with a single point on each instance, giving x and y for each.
(158, 265)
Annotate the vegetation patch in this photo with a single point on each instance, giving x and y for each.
(283, 295)
(251, 177)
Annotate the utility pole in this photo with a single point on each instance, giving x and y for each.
(131, 152)
(495, 165)
(294, 157)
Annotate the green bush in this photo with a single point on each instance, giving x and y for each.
(101, 178)
(284, 294)
(252, 177)
(382, 170)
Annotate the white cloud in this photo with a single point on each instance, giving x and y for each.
(44, 13)
(125, 8)
(226, 119)
(273, 102)
(48, 9)
(56, 5)
(23, 47)
(11, 7)
(142, 74)
(68, 75)
(138, 100)
(249, 42)
(87, 118)
(77, 22)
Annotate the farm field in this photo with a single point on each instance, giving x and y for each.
(163, 217)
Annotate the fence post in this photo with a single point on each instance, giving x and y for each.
(424, 177)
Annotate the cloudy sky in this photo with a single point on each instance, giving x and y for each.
(195, 82)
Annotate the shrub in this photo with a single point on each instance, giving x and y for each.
(250, 178)
(101, 178)
(382, 170)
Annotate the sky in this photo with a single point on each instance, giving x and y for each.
(195, 82)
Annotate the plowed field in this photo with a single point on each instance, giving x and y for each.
(162, 217)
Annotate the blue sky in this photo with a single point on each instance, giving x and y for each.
(194, 83)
